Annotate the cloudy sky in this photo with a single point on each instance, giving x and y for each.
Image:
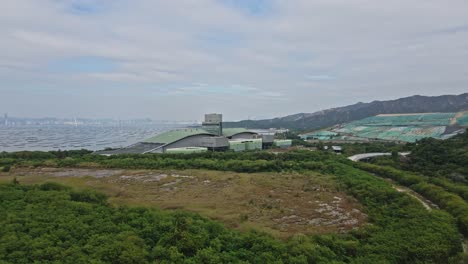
(177, 59)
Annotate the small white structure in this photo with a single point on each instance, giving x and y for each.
(337, 149)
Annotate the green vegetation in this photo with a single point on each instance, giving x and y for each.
(436, 169)
(400, 229)
(229, 161)
(50, 223)
(452, 203)
(442, 163)
(280, 204)
(444, 159)
(6, 168)
(441, 158)
(350, 149)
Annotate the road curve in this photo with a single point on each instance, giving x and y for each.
(362, 156)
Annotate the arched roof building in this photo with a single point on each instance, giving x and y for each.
(211, 136)
(238, 133)
(180, 138)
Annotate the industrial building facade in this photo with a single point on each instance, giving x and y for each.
(210, 137)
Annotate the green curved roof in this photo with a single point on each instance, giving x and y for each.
(176, 135)
(229, 132)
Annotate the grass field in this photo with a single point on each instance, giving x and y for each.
(279, 204)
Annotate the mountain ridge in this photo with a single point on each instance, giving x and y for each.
(338, 115)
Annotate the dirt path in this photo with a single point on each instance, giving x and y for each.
(415, 195)
(426, 203)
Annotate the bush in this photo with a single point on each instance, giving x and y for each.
(6, 168)
(88, 196)
(53, 186)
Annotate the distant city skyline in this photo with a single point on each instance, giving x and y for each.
(16, 120)
(176, 60)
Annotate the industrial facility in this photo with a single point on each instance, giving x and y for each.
(211, 136)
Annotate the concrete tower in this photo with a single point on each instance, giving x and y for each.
(213, 123)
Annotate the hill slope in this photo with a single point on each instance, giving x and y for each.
(329, 117)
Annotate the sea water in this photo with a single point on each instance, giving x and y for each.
(69, 137)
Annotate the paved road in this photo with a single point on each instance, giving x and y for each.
(362, 156)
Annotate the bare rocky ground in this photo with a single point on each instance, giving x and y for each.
(280, 204)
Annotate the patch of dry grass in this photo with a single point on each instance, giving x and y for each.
(280, 204)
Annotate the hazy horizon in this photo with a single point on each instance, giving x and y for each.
(199, 119)
(176, 60)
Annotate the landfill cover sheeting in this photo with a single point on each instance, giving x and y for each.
(406, 127)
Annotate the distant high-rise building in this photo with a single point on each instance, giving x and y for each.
(6, 119)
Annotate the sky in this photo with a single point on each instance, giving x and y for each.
(247, 59)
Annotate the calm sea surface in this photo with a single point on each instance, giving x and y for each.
(67, 137)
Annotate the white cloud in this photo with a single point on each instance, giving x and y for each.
(319, 77)
(303, 56)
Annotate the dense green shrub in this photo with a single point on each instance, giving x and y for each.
(88, 196)
(53, 186)
(6, 168)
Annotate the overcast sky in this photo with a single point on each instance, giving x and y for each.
(177, 59)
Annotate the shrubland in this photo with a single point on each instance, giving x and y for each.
(56, 223)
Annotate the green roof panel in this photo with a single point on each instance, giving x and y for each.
(176, 135)
(229, 132)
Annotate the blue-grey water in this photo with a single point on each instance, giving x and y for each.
(68, 137)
